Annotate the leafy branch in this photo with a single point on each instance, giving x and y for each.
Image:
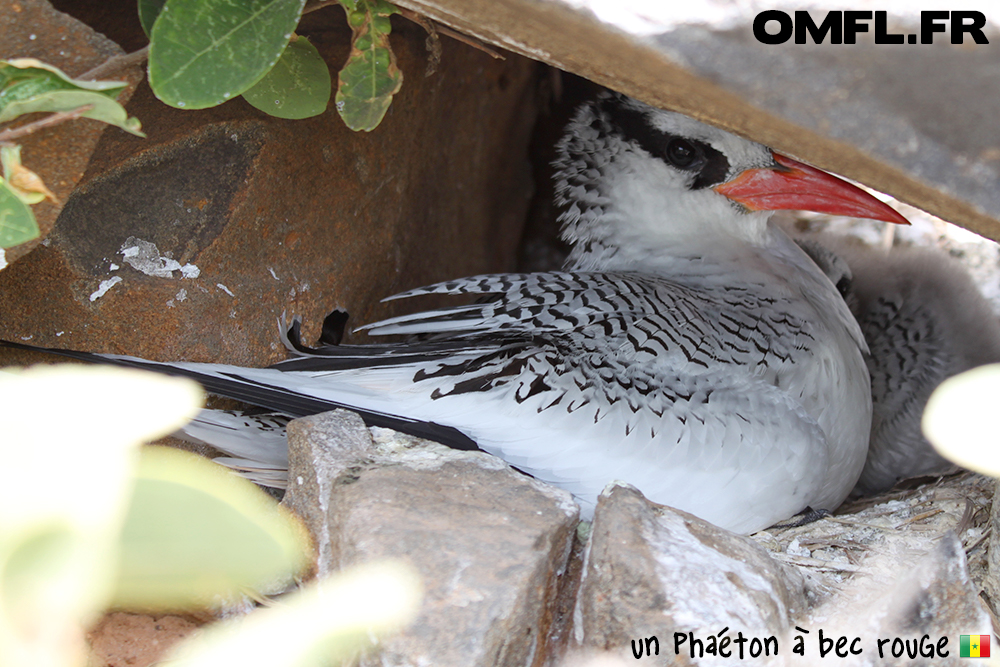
(205, 52)
(29, 86)
(201, 54)
(10, 134)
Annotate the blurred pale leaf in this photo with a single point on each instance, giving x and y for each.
(317, 626)
(73, 433)
(69, 445)
(960, 419)
(196, 531)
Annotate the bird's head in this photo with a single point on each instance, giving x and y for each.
(633, 178)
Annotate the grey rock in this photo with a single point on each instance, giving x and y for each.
(936, 599)
(652, 571)
(489, 542)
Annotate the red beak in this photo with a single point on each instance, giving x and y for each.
(796, 186)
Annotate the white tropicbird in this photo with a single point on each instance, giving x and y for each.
(689, 348)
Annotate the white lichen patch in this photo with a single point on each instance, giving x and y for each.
(422, 454)
(393, 447)
(104, 287)
(181, 295)
(145, 257)
(224, 289)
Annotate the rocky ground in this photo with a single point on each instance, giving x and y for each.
(512, 579)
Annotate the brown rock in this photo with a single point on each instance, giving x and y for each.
(122, 639)
(275, 215)
(59, 155)
(651, 571)
(489, 542)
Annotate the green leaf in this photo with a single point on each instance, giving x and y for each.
(17, 222)
(370, 78)
(196, 531)
(29, 69)
(297, 87)
(148, 11)
(29, 86)
(204, 52)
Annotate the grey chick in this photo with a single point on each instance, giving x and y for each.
(924, 321)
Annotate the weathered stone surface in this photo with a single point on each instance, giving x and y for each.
(59, 155)
(917, 122)
(905, 523)
(592, 659)
(122, 639)
(264, 215)
(992, 580)
(322, 450)
(891, 567)
(908, 596)
(489, 542)
(651, 571)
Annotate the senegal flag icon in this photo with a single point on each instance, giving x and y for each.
(974, 646)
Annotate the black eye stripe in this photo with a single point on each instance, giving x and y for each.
(631, 124)
(714, 172)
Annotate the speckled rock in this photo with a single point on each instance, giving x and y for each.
(489, 542)
(652, 571)
(191, 243)
(33, 29)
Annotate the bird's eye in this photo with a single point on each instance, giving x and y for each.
(844, 285)
(682, 154)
